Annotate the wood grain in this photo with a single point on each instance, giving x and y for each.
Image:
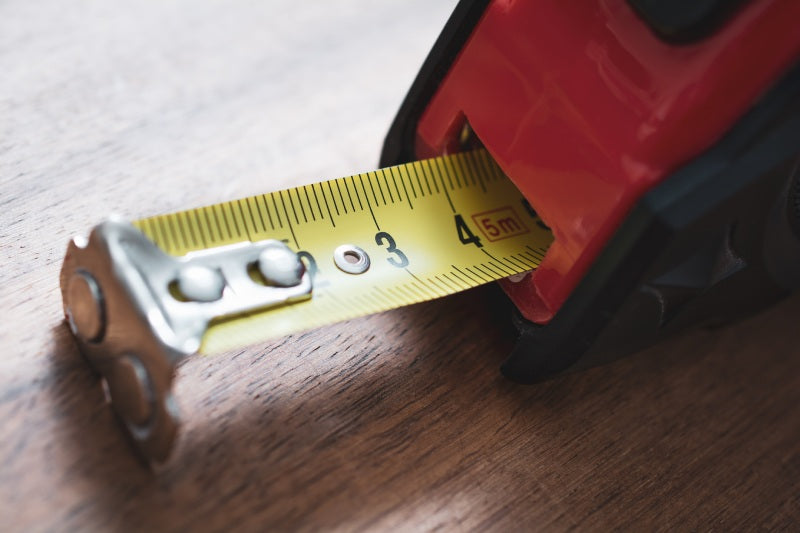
(394, 421)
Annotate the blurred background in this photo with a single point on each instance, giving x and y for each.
(226, 98)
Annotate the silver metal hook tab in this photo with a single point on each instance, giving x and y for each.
(136, 312)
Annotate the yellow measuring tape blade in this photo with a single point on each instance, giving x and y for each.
(431, 228)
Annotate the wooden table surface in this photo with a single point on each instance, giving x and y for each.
(394, 421)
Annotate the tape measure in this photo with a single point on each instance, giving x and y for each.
(427, 229)
(141, 297)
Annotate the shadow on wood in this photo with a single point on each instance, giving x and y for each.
(404, 416)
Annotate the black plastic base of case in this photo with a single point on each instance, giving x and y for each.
(712, 243)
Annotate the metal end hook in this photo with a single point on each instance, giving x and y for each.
(136, 312)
